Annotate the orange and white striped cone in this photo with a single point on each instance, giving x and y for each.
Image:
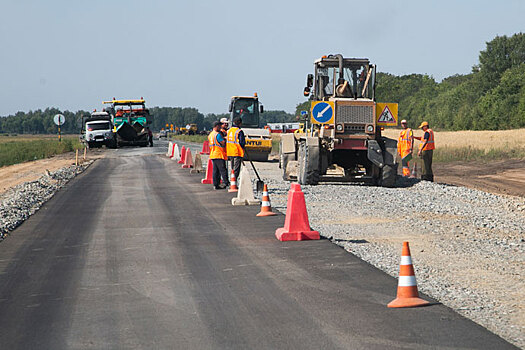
(233, 183)
(266, 207)
(407, 294)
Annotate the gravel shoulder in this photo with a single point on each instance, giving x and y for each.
(468, 245)
(19, 202)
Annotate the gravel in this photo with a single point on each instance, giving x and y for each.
(468, 246)
(20, 202)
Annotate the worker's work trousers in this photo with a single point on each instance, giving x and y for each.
(236, 166)
(426, 173)
(219, 170)
(406, 168)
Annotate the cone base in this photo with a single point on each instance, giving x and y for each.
(408, 302)
(187, 166)
(283, 235)
(231, 190)
(237, 201)
(206, 182)
(266, 213)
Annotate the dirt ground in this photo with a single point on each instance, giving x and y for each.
(16, 174)
(501, 177)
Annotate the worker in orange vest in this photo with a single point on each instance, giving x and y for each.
(426, 150)
(218, 157)
(235, 145)
(405, 146)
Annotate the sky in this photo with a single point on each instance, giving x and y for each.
(73, 54)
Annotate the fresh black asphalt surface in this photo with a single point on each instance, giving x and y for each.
(136, 253)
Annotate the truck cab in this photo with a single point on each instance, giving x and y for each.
(258, 140)
(97, 130)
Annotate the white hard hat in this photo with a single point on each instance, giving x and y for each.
(224, 120)
(403, 121)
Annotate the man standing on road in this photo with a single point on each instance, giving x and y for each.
(218, 157)
(235, 146)
(426, 150)
(150, 137)
(405, 145)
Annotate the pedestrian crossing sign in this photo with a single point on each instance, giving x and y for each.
(386, 114)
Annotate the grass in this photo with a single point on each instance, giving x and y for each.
(22, 149)
(189, 138)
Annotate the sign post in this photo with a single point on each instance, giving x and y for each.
(59, 120)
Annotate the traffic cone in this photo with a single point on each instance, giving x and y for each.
(197, 164)
(296, 224)
(208, 179)
(188, 160)
(205, 147)
(182, 155)
(414, 172)
(233, 183)
(245, 194)
(176, 152)
(407, 295)
(170, 150)
(266, 207)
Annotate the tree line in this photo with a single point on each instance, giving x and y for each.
(490, 97)
(41, 121)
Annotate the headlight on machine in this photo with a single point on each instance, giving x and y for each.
(370, 129)
(340, 127)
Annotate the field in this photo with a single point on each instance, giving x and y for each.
(452, 146)
(22, 148)
(474, 145)
(189, 138)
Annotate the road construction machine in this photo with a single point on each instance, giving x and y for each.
(344, 141)
(130, 118)
(189, 129)
(258, 140)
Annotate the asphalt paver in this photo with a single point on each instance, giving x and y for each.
(136, 253)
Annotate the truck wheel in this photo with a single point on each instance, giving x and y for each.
(308, 172)
(388, 175)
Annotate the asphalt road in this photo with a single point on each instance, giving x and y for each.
(137, 254)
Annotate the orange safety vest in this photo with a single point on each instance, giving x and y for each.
(404, 143)
(430, 144)
(216, 150)
(233, 147)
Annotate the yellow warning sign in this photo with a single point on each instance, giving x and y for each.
(386, 114)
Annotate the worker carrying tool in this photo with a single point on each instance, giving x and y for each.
(235, 145)
(218, 157)
(405, 146)
(426, 150)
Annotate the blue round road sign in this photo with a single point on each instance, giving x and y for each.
(322, 112)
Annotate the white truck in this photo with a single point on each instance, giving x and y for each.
(97, 130)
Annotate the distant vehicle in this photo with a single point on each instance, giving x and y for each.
(130, 119)
(278, 128)
(162, 134)
(97, 131)
(189, 129)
